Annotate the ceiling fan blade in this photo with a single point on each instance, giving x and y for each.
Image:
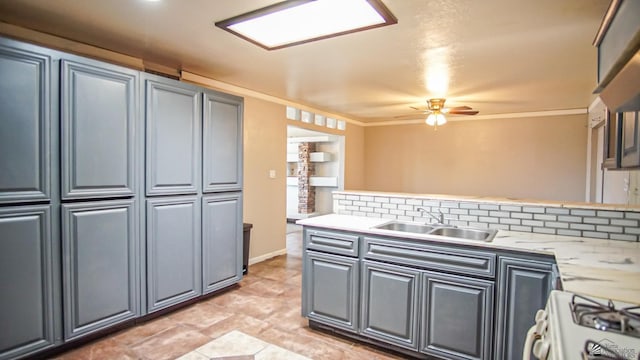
(419, 108)
(410, 117)
(460, 108)
(463, 112)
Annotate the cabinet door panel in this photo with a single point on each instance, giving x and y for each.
(524, 288)
(331, 290)
(173, 120)
(389, 304)
(221, 241)
(222, 142)
(99, 110)
(456, 316)
(27, 260)
(25, 96)
(173, 251)
(100, 269)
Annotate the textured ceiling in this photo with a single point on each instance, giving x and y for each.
(498, 56)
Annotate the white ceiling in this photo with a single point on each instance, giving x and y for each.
(500, 56)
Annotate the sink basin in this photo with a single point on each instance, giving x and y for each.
(448, 231)
(406, 227)
(468, 234)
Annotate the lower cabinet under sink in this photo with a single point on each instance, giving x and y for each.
(425, 300)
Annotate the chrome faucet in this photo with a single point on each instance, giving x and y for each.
(439, 219)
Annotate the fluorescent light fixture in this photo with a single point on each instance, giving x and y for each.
(296, 22)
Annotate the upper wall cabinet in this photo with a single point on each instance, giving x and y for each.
(618, 42)
(173, 115)
(630, 141)
(99, 110)
(25, 115)
(222, 142)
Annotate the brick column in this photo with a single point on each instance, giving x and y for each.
(306, 192)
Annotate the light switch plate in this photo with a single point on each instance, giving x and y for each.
(272, 174)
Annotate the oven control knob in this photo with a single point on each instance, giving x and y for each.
(541, 349)
(541, 315)
(541, 327)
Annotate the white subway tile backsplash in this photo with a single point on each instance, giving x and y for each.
(545, 217)
(557, 211)
(511, 208)
(595, 220)
(489, 207)
(520, 228)
(557, 225)
(544, 230)
(466, 205)
(583, 212)
(502, 214)
(570, 219)
(624, 237)
(567, 221)
(625, 222)
(610, 229)
(586, 227)
(567, 232)
(610, 214)
(597, 235)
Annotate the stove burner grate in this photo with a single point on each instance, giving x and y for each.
(590, 313)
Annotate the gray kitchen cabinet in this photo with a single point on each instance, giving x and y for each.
(331, 290)
(173, 256)
(99, 112)
(523, 288)
(100, 270)
(630, 140)
(25, 119)
(173, 118)
(222, 142)
(456, 316)
(389, 304)
(222, 236)
(29, 259)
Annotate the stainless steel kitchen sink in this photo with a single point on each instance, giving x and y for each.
(465, 233)
(406, 227)
(440, 230)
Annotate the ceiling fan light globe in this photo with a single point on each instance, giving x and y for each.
(435, 119)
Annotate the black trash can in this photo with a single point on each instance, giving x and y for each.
(246, 238)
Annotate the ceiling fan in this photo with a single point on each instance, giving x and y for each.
(435, 111)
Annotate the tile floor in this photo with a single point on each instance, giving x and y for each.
(265, 307)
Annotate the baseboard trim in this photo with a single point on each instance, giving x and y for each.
(267, 256)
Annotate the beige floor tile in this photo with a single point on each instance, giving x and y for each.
(273, 352)
(171, 343)
(234, 343)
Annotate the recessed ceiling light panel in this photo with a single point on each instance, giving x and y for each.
(299, 21)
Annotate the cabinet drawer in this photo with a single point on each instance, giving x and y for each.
(331, 242)
(441, 258)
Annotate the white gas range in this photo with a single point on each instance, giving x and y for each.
(576, 327)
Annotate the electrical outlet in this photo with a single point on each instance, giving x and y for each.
(272, 174)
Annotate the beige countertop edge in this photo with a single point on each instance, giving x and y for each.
(498, 200)
(602, 268)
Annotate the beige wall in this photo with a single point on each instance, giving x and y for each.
(537, 158)
(354, 157)
(265, 148)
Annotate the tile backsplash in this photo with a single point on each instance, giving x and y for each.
(561, 219)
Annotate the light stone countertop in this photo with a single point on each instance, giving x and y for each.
(607, 269)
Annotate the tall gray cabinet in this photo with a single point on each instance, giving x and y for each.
(193, 180)
(30, 316)
(99, 111)
(120, 195)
